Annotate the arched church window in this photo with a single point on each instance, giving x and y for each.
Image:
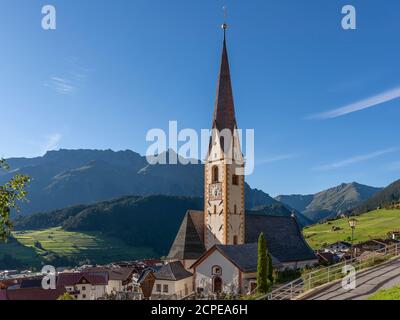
(215, 209)
(235, 209)
(235, 240)
(215, 174)
(222, 142)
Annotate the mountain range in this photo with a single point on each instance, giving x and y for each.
(67, 178)
(118, 195)
(388, 197)
(70, 177)
(148, 222)
(330, 203)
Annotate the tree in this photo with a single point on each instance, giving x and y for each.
(66, 296)
(10, 194)
(262, 265)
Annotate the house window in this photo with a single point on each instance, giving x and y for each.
(165, 288)
(215, 174)
(158, 287)
(83, 288)
(84, 296)
(235, 180)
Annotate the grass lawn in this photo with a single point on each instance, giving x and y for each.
(375, 224)
(388, 294)
(77, 245)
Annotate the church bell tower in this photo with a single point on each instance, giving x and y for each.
(224, 210)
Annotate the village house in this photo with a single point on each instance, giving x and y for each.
(84, 285)
(172, 281)
(327, 258)
(120, 278)
(28, 289)
(337, 247)
(374, 245)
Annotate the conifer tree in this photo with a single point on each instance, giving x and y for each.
(262, 265)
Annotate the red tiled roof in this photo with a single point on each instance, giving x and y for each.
(94, 278)
(151, 262)
(4, 284)
(3, 294)
(34, 294)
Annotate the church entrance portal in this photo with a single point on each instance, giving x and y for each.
(217, 285)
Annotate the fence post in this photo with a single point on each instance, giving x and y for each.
(291, 290)
(329, 268)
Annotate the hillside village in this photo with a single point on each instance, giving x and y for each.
(216, 249)
(161, 280)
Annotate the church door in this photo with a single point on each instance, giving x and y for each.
(217, 285)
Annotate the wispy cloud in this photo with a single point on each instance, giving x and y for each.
(354, 160)
(276, 158)
(70, 81)
(359, 105)
(61, 85)
(51, 142)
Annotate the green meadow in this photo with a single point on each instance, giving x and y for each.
(388, 294)
(39, 246)
(375, 224)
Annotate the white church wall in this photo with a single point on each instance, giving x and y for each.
(204, 274)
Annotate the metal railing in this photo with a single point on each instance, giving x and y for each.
(325, 275)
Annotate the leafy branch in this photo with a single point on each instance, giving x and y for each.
(11, 194)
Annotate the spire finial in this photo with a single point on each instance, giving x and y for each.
(225, 25)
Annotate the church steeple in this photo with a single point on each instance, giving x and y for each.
(224, 110)
(224, 213)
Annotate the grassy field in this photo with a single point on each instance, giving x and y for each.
(389, 294)
(33, 246)
(375, 224)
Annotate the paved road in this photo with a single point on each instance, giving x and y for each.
(384, 276)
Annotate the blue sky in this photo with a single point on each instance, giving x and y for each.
(115, 69)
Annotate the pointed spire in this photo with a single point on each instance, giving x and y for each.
(224, 110)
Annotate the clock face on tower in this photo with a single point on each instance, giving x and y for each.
(215, 191)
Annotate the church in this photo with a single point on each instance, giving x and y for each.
(219, 245)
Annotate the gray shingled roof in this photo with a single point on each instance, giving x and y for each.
(283, 235)
(188, 242)
(244, 256)
(172, 271)
(114, 273)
